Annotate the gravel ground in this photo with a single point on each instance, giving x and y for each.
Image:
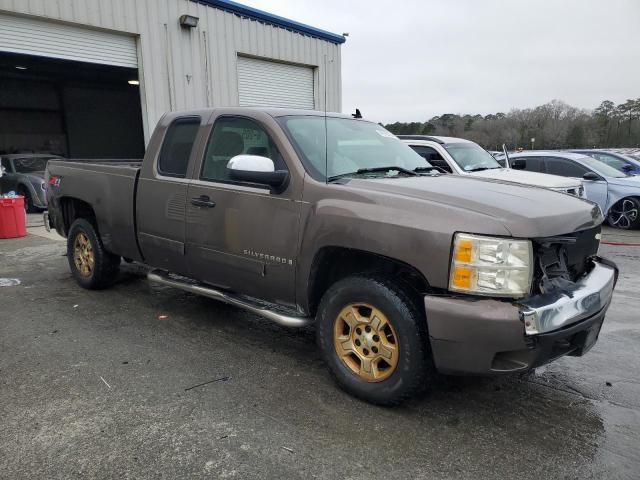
(147, 382)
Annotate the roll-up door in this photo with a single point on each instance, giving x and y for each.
(265, 83)
(32, 36)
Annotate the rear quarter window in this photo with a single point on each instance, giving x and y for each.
(177, 145)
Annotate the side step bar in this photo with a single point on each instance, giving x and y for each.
(158, 276)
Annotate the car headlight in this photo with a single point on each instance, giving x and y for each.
(491, 266)
(581, 193)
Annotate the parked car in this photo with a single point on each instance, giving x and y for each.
(403, 273)
(617, 193)
(621, 162)
(463, 157)
(24, 174)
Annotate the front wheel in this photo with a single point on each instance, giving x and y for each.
(625, 214)
(91, 265)
(373, 337)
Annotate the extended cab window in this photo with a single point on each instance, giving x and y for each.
(177, 145)
(233, 136)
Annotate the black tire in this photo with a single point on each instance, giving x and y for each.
(625, 214)
(104, 268)
(29, 207)
(414, 367)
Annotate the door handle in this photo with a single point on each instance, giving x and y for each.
(203, 201)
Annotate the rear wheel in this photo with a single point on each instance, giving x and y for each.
(29, 207)
(625, 214)
(374, 339)
(91, 265)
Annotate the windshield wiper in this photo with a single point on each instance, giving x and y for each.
(480, 169)
(374, 170)
(387, 169)
(429, 169)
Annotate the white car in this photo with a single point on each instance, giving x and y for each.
(463, 157)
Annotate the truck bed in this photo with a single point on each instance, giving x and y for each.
(109, 187)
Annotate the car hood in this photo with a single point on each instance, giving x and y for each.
(524, 211)
(624, 181)
(33, 176)
(528, 178)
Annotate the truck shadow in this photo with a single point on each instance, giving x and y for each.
(522, 417)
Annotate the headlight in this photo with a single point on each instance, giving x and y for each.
(491, 266)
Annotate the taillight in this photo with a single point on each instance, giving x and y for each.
(54, 181)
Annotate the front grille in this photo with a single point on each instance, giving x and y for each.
(563, 258)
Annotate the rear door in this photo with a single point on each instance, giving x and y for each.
(162, 197)
(240, 236)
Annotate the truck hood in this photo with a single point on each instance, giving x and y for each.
(528, 178)
(524, 211)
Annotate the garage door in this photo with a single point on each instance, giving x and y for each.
(264, 83)
(50, 39)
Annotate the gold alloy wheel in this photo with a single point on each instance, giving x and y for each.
(366, 342)
(83, 254)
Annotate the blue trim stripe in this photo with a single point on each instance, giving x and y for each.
(263, 16)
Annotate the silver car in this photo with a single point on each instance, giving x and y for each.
(617, 193)
(23, 173)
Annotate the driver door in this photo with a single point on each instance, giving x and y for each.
(239, 236)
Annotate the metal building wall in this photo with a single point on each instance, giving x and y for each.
(190, 68)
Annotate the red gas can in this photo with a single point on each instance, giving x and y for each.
(12, 217)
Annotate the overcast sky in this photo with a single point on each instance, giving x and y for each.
(409, 60)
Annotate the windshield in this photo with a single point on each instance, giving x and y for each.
(619, 162)
(602, 168)
(471, 157)
(28, 165)
(351, 145)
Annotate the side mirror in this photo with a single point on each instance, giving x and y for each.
(518, 164)
(257, 169)
(591, 176)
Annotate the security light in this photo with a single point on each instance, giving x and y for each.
(134, 82)
(188, 21)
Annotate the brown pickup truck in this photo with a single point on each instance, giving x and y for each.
(303, 218)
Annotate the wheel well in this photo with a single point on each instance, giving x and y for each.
(72, 209)
(335, 263)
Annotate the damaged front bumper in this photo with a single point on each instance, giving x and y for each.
(484, 336)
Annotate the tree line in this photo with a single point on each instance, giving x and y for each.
(553, 125)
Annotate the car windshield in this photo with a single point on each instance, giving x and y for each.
(28, 165)
(352, 146)
(602, 168)
(471, 157)
(620, 163)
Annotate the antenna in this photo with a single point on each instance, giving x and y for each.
(326, 129)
